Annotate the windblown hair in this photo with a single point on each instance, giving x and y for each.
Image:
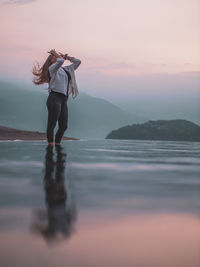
(41, 74)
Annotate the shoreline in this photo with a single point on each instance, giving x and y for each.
(11, 134)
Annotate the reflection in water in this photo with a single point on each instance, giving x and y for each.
(56, 223)
(138, 209)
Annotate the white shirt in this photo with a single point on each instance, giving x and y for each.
(59, 78)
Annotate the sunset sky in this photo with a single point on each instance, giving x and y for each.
(120, 43)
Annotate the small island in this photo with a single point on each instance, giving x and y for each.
(15, 134)
(169, 130)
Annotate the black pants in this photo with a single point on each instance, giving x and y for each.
(57, 111)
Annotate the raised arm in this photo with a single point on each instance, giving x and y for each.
(76, 62)
(55, 66)
(59, 61)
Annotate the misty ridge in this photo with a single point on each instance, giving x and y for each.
(24, 107)
(89, 117)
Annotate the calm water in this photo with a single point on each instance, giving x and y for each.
(100, 203)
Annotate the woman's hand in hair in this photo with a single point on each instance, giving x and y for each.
(63, 56)
(54, 53)
(66, 56)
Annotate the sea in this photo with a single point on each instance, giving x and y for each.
(100, 203)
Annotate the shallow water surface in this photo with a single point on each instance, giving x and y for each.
(100, 203)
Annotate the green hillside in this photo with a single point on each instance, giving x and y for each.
(173, 130)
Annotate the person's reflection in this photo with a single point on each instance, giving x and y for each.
(60, 214)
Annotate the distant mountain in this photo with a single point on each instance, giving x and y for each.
(172, 130)
(24, 107)
(182, 107)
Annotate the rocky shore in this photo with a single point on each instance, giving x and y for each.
(14, 134)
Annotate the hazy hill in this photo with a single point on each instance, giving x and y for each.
(187, 108)
(176, 130)
(24, 107)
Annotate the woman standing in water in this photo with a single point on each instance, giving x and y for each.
(62, 82)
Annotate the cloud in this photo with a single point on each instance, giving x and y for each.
(121, 69)
(106, 66)
(12, 2)
(119, 65)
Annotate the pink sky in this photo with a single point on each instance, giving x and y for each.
(123, 38)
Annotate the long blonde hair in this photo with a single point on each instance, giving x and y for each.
(41, 74)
